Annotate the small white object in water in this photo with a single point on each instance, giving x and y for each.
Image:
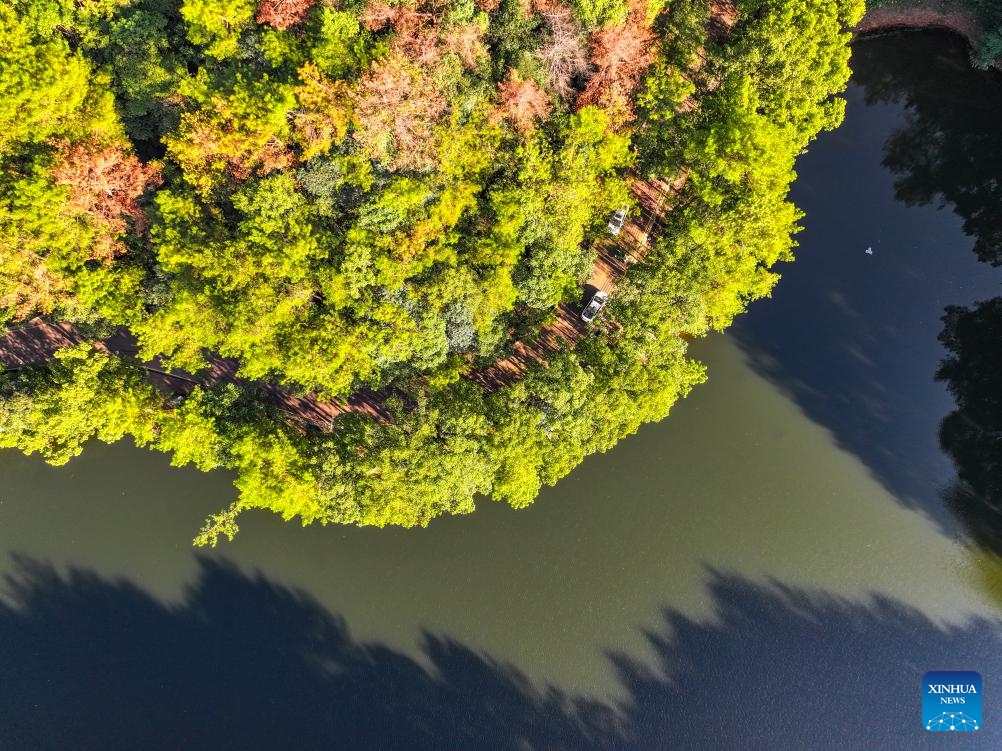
(869, 251)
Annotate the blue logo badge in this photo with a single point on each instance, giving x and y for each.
(951, 700)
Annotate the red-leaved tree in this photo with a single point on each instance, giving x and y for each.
(283, 14)
(522, 102)
(105, 184)
(619, 56)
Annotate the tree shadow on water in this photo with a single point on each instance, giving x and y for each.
(948, 152)
(972, 433)
(851, 342)
(243, 663)
(784, 668)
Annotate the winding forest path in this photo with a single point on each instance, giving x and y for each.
(615, 256)
(37, 342)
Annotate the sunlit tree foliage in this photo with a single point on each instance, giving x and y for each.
(387, 195)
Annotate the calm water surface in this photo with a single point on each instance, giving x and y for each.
(775, 566)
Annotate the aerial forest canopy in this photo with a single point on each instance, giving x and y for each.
(273, 200)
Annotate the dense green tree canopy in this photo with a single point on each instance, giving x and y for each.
(332, 196)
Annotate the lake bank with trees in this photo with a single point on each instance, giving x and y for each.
(388, 197)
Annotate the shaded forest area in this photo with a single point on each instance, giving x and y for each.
(370, 195)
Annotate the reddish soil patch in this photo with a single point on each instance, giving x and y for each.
(932, 15)
(723, 16)
(948, 15)
(36, 343)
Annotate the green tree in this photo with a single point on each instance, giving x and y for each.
(84, 394)
(217, 24)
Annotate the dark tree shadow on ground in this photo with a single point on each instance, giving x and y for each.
(242, 663)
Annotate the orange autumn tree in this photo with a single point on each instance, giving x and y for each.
(104, 184)
(396, 109)
(72, 213)
(522, 102)
(398, 102)
(619, 54)
(283, 14)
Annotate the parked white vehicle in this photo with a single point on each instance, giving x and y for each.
(616, 223)
(594, 306)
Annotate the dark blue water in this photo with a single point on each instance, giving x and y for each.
(904, 220)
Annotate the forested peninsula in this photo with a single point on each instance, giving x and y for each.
(338, 247)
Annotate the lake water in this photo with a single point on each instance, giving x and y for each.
(774, 566)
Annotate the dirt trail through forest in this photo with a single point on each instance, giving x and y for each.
(37, 342)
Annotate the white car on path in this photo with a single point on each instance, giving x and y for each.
(616, 223)
(594, 306)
